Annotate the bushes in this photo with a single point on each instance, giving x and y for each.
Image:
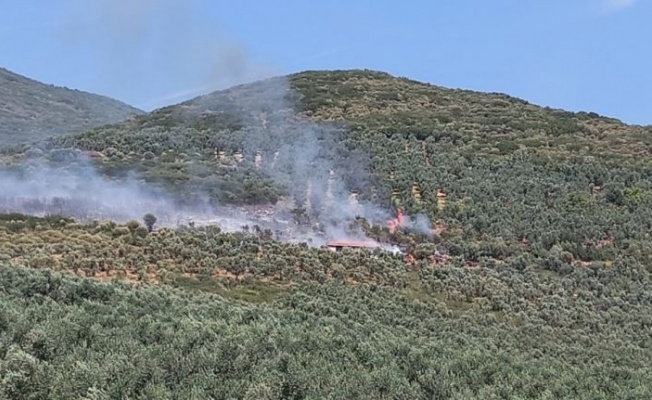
(359, 341)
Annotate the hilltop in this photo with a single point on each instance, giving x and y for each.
(376, 102)
(31, 110)
(481, 123)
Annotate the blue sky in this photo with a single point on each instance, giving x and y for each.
(591, 55)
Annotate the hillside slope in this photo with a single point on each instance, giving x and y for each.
(383, 119)
(489, 171)
(536, 284)
(487, 165)
(31, 110)
(376, 102)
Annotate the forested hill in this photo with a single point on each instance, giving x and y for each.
(377, 103)
(478, 123)
(401, 128)
(537, 283)
(488, 164)
(31, 110)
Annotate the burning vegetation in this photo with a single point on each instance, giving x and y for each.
(323, 186)
(398, 222)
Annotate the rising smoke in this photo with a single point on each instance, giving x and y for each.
(304, 156)
(307, 158)
(78, 190)
(301, 155)
(75, 188)
(150, 53)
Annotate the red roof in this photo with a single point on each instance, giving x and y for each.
(351, 243)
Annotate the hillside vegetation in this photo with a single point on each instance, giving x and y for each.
(491, 185)
(476, 123)
(256, 319)
(401, 128)
(543, 216)
(31, 110)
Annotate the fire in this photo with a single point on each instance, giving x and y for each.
(397, 222)
(410, 260)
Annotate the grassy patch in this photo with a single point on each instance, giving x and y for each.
(254, 292)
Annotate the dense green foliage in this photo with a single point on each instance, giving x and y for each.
(477, 123)
(581, 337)
(544, 216)
(325, 323)
(127, 251)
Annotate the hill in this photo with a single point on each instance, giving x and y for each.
(535, 280)
(31, 110)
(376, 113)
(480, 123)
(526, 169)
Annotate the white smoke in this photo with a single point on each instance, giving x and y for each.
(301, 155)
(151, 53)
(75, 188)
(133, 40)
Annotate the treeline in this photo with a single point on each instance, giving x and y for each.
(129, 251)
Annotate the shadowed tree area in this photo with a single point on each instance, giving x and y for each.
(149, 220)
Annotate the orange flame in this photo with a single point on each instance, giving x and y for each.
(398, 222)
(410, 260)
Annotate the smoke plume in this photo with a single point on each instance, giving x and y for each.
(324, 177)
(307, 158)
(153, 52)
(76, 189)
(419, 223)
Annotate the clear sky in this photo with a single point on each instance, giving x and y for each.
(591, 55)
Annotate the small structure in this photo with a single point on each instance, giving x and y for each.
(93, 154)
(339, 245)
